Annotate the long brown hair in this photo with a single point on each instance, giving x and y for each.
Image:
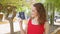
(41, 12)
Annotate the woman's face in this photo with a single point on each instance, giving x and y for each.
(33, 12)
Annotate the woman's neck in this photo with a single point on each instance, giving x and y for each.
(35, 21)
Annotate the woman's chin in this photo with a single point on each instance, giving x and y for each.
(32, 17)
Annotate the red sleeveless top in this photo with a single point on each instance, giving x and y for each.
(35, 29)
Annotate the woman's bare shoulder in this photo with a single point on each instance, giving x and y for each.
(28, 20)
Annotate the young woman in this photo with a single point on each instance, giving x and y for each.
(37, 22)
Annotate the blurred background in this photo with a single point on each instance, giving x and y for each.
(11, 9)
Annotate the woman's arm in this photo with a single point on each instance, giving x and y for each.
(46, 28)
(22, 31)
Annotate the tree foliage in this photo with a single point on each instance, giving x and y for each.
(56, 3)
(18, 3)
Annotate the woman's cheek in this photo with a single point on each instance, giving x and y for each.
(32, 15)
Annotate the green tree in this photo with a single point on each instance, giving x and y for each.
(56, 3)
(52, 6)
